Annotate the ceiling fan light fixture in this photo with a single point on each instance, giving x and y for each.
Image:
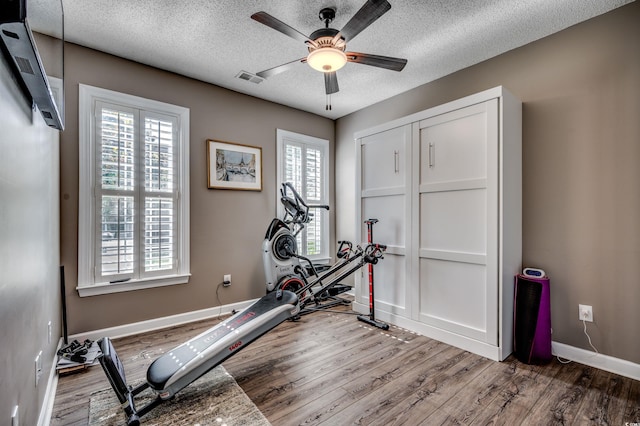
(327, 59)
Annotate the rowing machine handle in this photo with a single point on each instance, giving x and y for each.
(344, 249)
(374, 252)
(371, 259)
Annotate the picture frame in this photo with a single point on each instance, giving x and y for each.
(233, 166)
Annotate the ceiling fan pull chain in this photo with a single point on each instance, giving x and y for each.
(328, 103)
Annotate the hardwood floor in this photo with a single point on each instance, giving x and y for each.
(331, 369)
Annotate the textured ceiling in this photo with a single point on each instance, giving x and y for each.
(214, 40)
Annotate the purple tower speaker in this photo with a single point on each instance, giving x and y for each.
(532, 320)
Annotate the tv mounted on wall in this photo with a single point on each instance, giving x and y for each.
(19, 44)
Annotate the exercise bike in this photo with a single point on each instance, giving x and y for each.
(290, 288)
(317, 287)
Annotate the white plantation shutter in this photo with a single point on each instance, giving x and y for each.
(137, 209)
(116, 180)
(137, 178)
(303, 161)
(160, 194)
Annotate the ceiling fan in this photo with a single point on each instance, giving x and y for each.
(327, 46)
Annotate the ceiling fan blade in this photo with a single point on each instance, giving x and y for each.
(331, 82)
(280, 68)
(278, 25)
(368, 14)
(387, 62)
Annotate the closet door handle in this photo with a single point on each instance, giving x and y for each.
(432, 154)
(396, 161)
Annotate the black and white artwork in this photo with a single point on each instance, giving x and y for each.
(234, 166)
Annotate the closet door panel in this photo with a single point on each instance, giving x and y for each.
(450, 151)
(391, 213)
(454, 221)
(389, 283)
(457, 220)
(384, 160)
(453, 295)
(384, 175)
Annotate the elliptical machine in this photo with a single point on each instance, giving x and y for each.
(285, 269)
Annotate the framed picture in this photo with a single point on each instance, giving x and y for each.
(234, 166)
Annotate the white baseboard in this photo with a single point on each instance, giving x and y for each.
(600, 361)
(159, 323)
(46, 410)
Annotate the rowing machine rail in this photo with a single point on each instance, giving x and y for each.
(184, 364)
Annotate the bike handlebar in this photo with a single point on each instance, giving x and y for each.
(373, 252)
(296, 207)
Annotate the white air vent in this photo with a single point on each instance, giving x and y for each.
(244, 75)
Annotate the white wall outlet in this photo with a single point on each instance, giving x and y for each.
(227, 280)
(585, 312)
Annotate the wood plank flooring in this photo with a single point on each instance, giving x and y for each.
(330, 369)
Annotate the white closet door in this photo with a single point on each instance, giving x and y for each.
(457, 199)
(384, 195)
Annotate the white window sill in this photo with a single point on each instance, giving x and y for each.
(107, 288)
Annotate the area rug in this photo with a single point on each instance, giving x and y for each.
(213, 399)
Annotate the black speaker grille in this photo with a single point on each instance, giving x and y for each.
(25, 65)
(527, 306)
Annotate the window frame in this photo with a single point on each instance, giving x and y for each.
(323, 144)
(88, 229)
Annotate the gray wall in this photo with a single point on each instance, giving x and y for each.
(29, 250)
(227, 227)
(580, 90)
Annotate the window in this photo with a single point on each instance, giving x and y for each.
(134, 193)
(304, 161)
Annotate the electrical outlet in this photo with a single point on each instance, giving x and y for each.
(585, 312)
(38, 365)
(227, 280)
